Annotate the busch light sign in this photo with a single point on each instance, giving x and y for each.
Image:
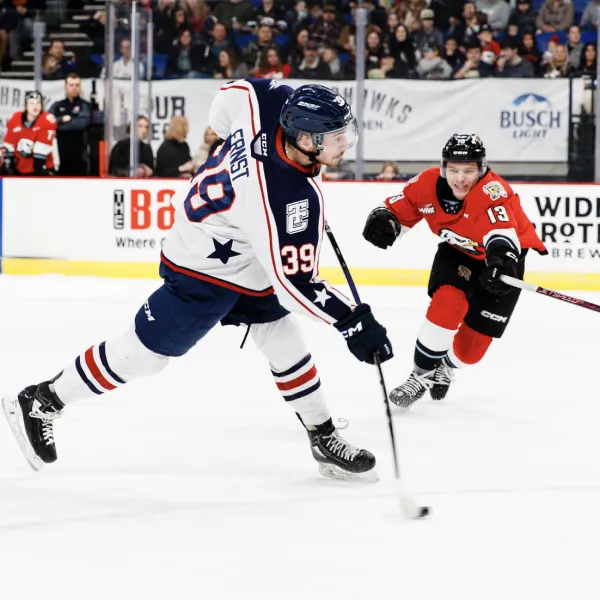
(531, 116)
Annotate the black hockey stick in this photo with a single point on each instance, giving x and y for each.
(407, 503)
(531, 287)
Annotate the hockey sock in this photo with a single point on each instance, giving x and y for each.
(107, 366)
(447, 309)
(293, 368)
(469, 347)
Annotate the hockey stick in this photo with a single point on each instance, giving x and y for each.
(531, 287)
(408, 505)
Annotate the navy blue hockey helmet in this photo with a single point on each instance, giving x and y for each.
(464, 148)
(316, 110)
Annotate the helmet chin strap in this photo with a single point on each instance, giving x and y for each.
(312, 156)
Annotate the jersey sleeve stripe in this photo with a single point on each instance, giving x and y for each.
(42, 149)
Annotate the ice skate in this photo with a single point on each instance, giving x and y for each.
(31, 415)
(405, 395)
(442, 378)
(339, 459)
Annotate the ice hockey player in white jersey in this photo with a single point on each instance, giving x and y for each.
(244, 249)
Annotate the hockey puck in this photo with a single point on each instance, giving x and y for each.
(423, 512)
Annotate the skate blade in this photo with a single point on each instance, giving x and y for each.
(14, 416)
(334, 472)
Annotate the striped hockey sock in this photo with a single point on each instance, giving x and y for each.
(90, 374)
(300, 387)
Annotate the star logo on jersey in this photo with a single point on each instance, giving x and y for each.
(322, 297)
(223, 251)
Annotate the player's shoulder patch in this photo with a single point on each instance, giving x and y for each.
(50, 118)
(413, 180)
(396, 198)
(495, 190)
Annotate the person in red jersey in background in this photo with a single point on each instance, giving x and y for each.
(485, 234)
(30, 140)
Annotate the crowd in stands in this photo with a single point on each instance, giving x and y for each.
(316, 39)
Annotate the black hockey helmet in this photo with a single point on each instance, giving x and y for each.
(464, 148)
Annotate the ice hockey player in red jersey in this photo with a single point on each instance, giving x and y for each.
(30, 140)
(485, 234)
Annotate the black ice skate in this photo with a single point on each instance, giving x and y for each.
(412, 389)
(337, 458)
(30, 416)
(442, 378)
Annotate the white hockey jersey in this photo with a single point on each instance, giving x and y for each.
(251, 219)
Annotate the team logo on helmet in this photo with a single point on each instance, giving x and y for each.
(495, 190)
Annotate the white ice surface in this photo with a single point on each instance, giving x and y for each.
(199, 483)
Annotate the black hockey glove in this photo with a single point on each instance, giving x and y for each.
(382, 228)
(364, 335)
(505, 263)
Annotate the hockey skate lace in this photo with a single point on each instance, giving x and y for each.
(341, 447)
(47, 419)
(444, 375)
(416, 383)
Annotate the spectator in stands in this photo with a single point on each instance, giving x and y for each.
(220, 39)
(73, 118)
(293, 52)
(17, 21)
(403, 52)
(298, 17)
(428, 36)
(389, 171)
(490, 49)
(510, 64)
(165, 31)
(474, 67)
(558, 67)
(187, 60)
(338, 69)
(123, 67)
(230, 67)
(588, 66)
(95, 29)
(118, 164)
(496, 11)
(432, 65)
(392, 23)
(197, 11)
(210, 137)
(468, 27)
(264, 41)
(555, 15)
(57, 50)
(409, 13)
(375, 51)
(272, 14)
(452, 54)
(589, 19)
(326, 29)
(524, 17)
(574, 46)
(271, 67)
(173, 157)
(312, 67)
(529, 51)
(233, 13)
(50, 68)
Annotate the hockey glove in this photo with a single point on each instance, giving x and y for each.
(497, 265)
(364, 335)
(382, 228)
